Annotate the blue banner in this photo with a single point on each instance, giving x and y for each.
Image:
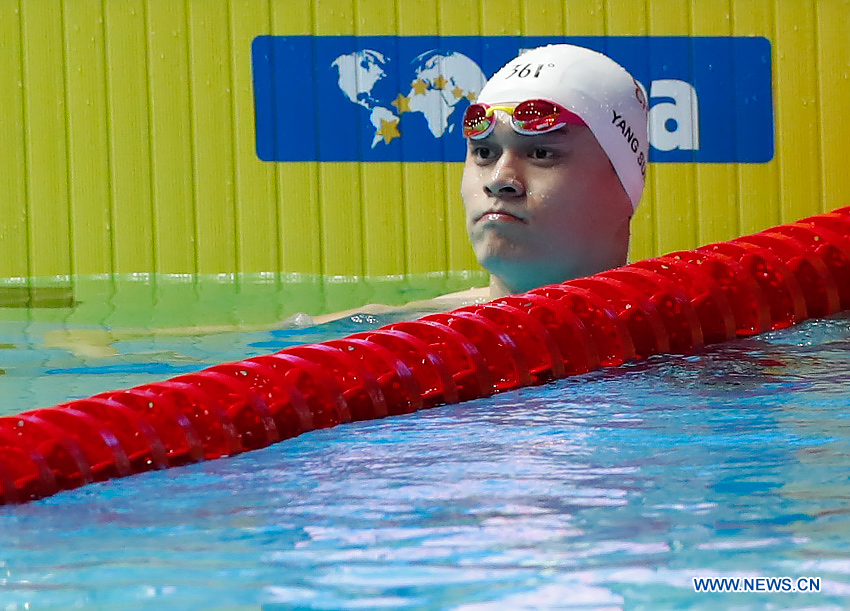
(400, 98)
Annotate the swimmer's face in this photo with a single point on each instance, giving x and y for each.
(543, 209)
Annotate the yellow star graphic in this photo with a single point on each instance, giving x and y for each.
(419, 87)
(458, 93)
(440, 82)
(401, 103)
(471, 96)
(388, 131)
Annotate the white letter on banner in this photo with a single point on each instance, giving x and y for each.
(674, 125)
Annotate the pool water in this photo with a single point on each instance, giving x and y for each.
(611, 490)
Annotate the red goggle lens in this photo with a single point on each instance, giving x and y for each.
(528, 118)
(475, 120)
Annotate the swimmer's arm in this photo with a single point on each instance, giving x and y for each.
(444, 303)
(98, 342)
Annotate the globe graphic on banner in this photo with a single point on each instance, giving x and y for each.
(438, 82)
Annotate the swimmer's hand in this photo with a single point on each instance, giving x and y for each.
(369, 308)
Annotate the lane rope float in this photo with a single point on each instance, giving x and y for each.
(674, 303)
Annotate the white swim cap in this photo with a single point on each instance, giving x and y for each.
(593, 86)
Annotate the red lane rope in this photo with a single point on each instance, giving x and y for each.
(674, 303)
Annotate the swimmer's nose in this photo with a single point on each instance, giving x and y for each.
(505, 188)
(505, 181)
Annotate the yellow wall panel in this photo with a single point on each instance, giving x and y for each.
(797, 116)
(459, 251)
(585, 18)
(543, 17)
(46, 139)
(88, 151)
(383, 220)
(833, 62)
(462, 17)
(499, 17)
(375, 17)
(624, 17)
(130, 145)
(340, 196)
(289, 17)
(425, 217)
(171, 137)
(212, 134)
(333, 18)
(301, 240)
(417, 17)
(13, 167)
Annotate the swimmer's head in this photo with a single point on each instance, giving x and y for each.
(596, 89)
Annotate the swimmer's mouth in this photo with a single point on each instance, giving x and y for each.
(497, 215)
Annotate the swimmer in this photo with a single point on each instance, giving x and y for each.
(555, 168)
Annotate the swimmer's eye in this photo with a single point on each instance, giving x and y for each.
(542, 154)
(483, 152)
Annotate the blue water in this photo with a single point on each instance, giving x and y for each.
(611, 490)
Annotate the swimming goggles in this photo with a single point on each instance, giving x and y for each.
(527, 118)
